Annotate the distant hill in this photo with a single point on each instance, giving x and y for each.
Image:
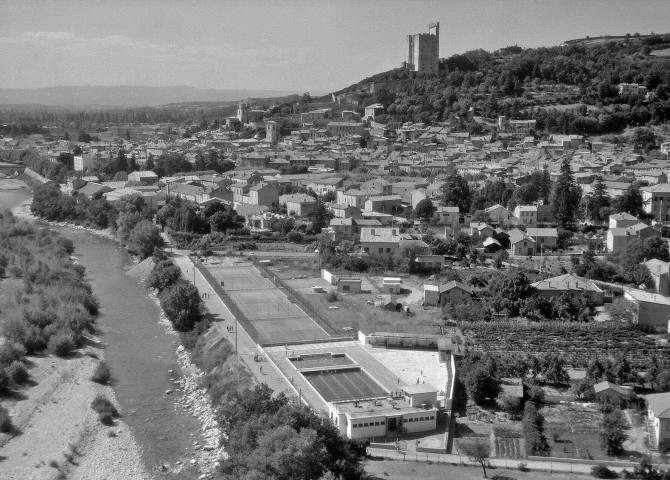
(126, 96)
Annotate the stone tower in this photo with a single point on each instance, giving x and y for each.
(271, 133)
(423, 54)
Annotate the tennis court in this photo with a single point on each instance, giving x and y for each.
(240, 278)
(275, 318)
(349, 384)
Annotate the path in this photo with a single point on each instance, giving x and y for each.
(533, 465)
(245, 345)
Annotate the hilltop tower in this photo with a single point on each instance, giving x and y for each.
(424, 50)
(271, 134)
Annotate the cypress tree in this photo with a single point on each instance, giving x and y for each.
(565, 198)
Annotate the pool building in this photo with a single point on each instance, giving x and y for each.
(359, 395)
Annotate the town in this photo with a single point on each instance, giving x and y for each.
(475, 276)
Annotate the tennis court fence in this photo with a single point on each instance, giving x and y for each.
(237, 312)
(297, 298)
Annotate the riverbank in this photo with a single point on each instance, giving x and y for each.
(159, 432)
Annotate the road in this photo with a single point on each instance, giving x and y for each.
(264, 371)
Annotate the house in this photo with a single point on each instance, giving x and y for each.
(342, 228)
(660, 272)
(447, 215)
(481, 229)
(392, 285)
(613, 394)
(352, 197)
(145, 177)
(342, 210)
(372, 110)
(527, 214)
(322, 186)
(656, 201)
(658, 418)
(498, 214)
(520, 243)
(94, 190)
(618, 238)
(545, 238)
(300, 204)
(263, 194)
(189, 192)
(491, 245)
(349, 285)
(431, 261)
(453, 292)
(380, 242)
(622, 220)
(545, 214)
(572, 285)
(84, 162)
(383, 203)
(652, 309)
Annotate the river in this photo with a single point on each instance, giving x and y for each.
(139, 350)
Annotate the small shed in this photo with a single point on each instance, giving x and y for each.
(349, 285)
(388, 303)
(392, 285)
(611, 393)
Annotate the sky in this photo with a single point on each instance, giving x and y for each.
(290, 45)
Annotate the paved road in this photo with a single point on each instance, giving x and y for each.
(264, 371)
(543, 466)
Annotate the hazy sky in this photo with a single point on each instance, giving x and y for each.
(280, 45)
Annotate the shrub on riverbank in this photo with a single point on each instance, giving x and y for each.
(5, 421)
(164, 274)
(101, 374)
(182, 305)
(50, 305)
(105, 409)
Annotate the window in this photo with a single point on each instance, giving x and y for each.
(404, 420)
(381, 250)
(346, 288)
(388, 250)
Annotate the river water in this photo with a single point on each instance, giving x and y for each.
(138, 349)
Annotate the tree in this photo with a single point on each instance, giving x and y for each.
(456, 193)
(631, 201)
(478, 450)
(164, 274)
(621, 310)
(598, 202)
(533, 429)
(289, 454)
(223, 220)
(481, 385)
(508, 403)
(424, 209)
(565, 197)
(182, 305)
(144, 238)
(644, 138)
(320, 217)
(613, 435)
(514, 291)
